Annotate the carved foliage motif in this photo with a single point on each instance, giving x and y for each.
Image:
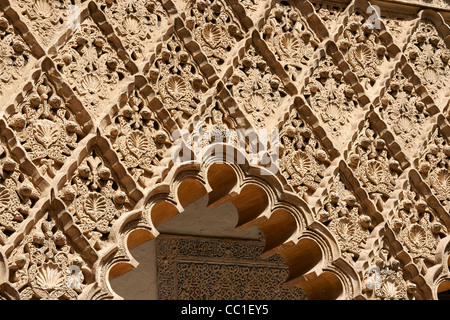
(94, 199)
(137, 22)
(14, 53)
(363, 49)
(344, 216)
(428, 54)
(217, 125)
(385, 279)
(45, 265)
(138, 137)
(255, 88)
(404, 111)
(328, 13)
(17, 195)
(418, 228)
(302, 158)
(434, 167)
(177, 79)
(46, 17)
(331, 97)
(90, 65)
(215, 29)
(373, 165)
(46, 127)
(287, 35)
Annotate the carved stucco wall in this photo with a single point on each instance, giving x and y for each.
(93, 91)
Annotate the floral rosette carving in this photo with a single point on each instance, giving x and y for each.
(418, 228)
(403, 110)
(433, 165)
(45, 127)
(384, 278)
(215, 29)
(14, 53)
(254, 87)
(46, 266)
(178, 80)
(17, 195)
(90, 65)
(137, 23)
(427, 52)
(372, 164)
(302, 160)
(343, 215)
(330, 96)
(363, 49)
(94, 200)
(286, 34)
(139, 138)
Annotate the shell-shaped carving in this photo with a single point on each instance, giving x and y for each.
(430, 75)
(289, 45)
(95, 205)
(43, 8)
(49, 277)
(375, 171)
(5, 197)
(440, 181)
(46, 132)
(212, 34)
(389, 289)
(138, 143)
(131, 25)
(302, 163)
(176, 87)
(362, 53)
(403, 125)
(333, 111)
(91, 83)
(257, 103)
(417, 235)
(345, 228)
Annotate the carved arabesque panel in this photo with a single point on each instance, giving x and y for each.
(434, 165)
(138, 137)
(91, 66)
(302, 158)
(45, 126)
(364, 49)
(15, 54)
(46, 266)
(418, 227)
(345, 218)
(94, 199)
(429, 55)
(384, 276)
(373, 164)
(332, 98)
(256, 88)
(18, 193)
(47, 18)
(209, 269)
(402, 107)
(177, 79)
(287, 34)
(138, 23)
(215, 29)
